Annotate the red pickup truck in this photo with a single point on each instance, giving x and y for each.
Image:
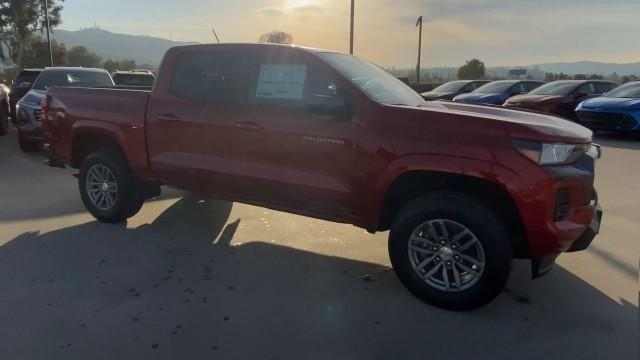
(463, 188)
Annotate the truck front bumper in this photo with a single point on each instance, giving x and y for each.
(543, 264)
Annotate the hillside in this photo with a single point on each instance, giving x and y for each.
(142, 49)
(590, 67)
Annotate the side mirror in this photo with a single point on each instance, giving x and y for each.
(24, 85)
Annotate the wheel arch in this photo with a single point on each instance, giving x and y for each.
(86, 140)
(413, 183)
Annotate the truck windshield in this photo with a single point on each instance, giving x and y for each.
(451, 86)
(378, 84)
(496, 87)
(556, 88)
(629, 90)
(73, 78)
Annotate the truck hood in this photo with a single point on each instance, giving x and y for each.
(611, 103)
(435, 95)
(514, 123)
(496, 98)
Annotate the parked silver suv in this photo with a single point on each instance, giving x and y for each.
(30, 133)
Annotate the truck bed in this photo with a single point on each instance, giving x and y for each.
(119, 113)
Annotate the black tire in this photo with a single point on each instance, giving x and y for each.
(487, 228)
(26, 145)
(4, 124)
(4, 119)
(127, 201)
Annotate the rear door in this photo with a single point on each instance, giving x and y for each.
(189, 114)
(299, 148)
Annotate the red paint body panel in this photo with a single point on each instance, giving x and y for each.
(301, 163)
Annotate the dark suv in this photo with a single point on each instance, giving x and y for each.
(20, 87)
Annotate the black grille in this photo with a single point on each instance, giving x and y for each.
(606, 120)
(562, 204)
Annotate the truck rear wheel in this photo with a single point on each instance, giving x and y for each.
(108, 188)
(26, 145)
(451, 251)
(4, 123)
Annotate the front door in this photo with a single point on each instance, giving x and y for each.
(298, 149)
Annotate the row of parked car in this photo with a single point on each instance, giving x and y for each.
(30, 87)
(596, 104)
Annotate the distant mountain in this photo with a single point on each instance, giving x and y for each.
(142, 49)
(589, 67)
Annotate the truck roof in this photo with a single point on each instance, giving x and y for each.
(74, 68)
(254, 45)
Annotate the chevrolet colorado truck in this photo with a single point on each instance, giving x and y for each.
(464, 189)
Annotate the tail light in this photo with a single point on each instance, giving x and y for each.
(44, 103)
(42, 113)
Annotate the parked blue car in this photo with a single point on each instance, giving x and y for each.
(617, 110)
(497, 92)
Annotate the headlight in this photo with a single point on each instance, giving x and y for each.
(555, 153)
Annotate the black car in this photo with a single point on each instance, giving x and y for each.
(20, 87)
(448, 91)
(134, 78)
(4, 107)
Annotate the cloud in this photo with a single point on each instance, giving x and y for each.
(270, 11)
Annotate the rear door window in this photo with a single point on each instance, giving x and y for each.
(216, 76)
(518, 88)
(588, 88)
(602, 88)
(532, 86)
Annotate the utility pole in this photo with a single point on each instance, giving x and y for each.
(46, 14)
(351, 37)
(419, 23)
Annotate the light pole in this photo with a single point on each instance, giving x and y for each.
(419, 23)
(46, 14)
(351, 36)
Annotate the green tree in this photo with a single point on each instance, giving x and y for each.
(276, 37)
(81, 56)
(37, 53)
(473, 69)
(19, 19)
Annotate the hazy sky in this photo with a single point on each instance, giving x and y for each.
(500, 32)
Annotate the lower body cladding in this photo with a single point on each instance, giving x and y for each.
(574, 219)
(609, 120)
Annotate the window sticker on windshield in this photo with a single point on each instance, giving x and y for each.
(281, 81)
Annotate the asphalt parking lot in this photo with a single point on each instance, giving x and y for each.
(192, 278)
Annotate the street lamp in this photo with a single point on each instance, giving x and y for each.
(351, 36)
(46, 14)
(419, 23)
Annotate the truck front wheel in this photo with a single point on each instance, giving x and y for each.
(108, 188)
(451, 251)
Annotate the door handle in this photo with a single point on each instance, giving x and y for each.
(167, 117)
(248, 125)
